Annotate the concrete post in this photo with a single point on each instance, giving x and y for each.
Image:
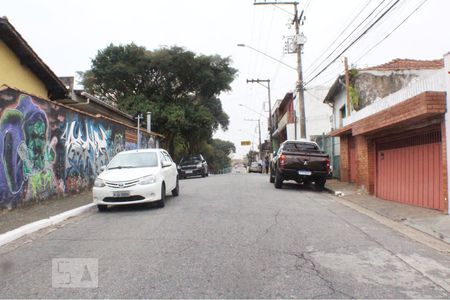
(447, 123)
(149, 121)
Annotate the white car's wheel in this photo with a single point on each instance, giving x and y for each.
(163, 195)
(176, 190)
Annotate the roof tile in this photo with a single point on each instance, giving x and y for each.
(407, 64)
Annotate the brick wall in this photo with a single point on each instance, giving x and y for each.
(345, 166)
(362, 162)
(365, 163)
(424, 105)
(372, 161)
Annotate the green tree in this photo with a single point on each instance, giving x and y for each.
(180, 88)
(217, 153)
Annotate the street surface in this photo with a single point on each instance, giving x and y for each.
(230, 236)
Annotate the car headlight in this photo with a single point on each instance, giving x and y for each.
(148, 180)
(199, 165)
(178, 167)
(99, 183)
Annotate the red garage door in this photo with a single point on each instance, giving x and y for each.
(410, 171)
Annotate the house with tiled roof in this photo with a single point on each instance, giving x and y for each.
(388, 121)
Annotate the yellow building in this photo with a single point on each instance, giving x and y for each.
(22, 69)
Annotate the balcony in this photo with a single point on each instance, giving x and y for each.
(287, 118)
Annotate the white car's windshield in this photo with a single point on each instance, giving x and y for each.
(134, 160)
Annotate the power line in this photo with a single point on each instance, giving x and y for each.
(339, 35)
(392, 31)
(354, 41)
(285, 10)
(348, 36)
(306, 8)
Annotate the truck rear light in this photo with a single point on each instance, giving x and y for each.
(282, 160)
(328, 164)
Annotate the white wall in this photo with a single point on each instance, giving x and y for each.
(290, 131)
(341, 100)
(317, 113)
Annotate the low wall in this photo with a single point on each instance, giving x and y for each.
(48, 149)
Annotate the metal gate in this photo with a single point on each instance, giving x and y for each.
(410, 171)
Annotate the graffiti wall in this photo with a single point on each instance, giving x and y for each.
(48, 150)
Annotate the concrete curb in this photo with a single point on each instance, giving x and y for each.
(418, 235)
(17, 233)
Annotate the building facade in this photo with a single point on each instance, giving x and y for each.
(392, 131)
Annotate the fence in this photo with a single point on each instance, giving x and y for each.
(328, 145)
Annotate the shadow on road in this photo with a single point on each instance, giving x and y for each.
(137, 207)
(192, 177)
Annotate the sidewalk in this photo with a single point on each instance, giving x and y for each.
(432, 222)
(15, 218)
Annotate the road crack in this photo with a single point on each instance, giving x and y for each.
(267, 230)
(307, 264)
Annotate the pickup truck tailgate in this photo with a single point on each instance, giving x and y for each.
(306, 161)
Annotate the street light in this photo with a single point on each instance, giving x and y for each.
(249, 108)
(267, 55)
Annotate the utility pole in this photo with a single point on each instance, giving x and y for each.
(139, 116)
(260, 81)
(299, 39)
(259, 133)
(347, 87)
(149, 121)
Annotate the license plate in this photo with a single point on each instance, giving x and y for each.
(307, 173)
(121, 194)
(188, 171)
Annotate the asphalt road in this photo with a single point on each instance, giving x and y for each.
(230, 236)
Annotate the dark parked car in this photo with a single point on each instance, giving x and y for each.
(194, 165)
(301, 161)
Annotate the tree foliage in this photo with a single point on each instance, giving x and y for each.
(217, 154)
(251, 156)
(180, 88)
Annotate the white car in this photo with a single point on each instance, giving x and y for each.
(137, 176)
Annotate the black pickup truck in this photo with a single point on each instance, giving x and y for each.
(302, 161)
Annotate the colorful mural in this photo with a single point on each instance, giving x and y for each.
(49, 150)
(88, 146)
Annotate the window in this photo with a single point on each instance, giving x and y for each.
(294, 147)
(167, 156)
(133, 160)
(161, 157)
(342, 115)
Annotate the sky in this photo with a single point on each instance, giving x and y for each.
(67, 35)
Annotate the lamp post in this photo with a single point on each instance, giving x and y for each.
(249, 108)
(259, 81)
(267, 55)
